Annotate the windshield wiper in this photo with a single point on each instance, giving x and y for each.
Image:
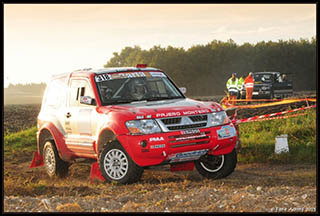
(163, 98)
(119, 102)
(138, 101)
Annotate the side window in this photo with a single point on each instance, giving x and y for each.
(159, 87)
(79, 88)
(55, 93)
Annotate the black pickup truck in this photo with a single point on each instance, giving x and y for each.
(270, 85)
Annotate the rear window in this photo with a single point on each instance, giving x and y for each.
(55, 93)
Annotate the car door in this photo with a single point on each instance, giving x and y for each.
(281, 87)
(79, 125)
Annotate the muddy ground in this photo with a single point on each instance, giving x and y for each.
(250, 188)
(253, 187)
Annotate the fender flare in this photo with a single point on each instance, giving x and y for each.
(58, 138)
(107, 133)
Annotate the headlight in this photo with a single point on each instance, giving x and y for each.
(219, 118)
(147, 126)
(265, 87)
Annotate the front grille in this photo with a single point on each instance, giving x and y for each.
(181, 127)
(183, 122)
(170, 121)
(198, 118)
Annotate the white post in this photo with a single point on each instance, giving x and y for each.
(281, 144)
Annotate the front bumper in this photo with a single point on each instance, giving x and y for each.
(177, 146)
(260, 93)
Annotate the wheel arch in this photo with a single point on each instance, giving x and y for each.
(44, 135)
(105, 136)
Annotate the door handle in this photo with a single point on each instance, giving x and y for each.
(68, 115)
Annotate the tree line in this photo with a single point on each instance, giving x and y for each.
(34, 88)
(205, 69)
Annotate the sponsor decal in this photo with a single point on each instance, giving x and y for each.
(126, 75)
(191, 137)
(140, 117)
(157, 74)
(157, 146)
(194, 112)
(173, 114)
(170, 114)
(226, 132)
(156, 139)
(192, 131)
(145, 150)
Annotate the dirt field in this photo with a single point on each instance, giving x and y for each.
(20, 117)
(251, 188)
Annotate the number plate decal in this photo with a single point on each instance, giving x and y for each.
(226, 132)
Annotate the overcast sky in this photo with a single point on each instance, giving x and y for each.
(45, 39)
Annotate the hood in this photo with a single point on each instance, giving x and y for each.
(260, 83)
(163, 108)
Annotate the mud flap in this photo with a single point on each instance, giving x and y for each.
(95, 172)
(187, 166)
(37, 160)
(238, 144)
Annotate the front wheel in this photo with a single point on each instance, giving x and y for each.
(216, 167)
(271, 95)
(116, 165)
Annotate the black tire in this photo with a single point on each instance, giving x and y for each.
(53, 163)
(216, 167)
(117, 166)
(271, 95)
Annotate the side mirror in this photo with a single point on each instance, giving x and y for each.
(87, 100)
(183, 90)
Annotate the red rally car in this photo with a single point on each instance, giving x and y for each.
(129, 119)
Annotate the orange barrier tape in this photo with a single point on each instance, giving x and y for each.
(279, 117)
(285, 101)
(248, 100)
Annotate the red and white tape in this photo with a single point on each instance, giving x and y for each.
(255, 118)
(280, 117)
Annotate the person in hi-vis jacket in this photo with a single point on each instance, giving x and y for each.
(233, 89)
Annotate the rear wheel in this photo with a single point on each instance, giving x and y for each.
(53, 163)
(215, 167)
(116, 165)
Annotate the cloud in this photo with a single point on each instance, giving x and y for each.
(223, 30)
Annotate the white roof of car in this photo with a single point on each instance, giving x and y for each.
(118, 69)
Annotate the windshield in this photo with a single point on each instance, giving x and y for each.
(263, 78)
(135, 86)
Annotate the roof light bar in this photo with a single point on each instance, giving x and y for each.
(141, 65)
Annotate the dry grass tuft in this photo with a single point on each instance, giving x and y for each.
(69, 207)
